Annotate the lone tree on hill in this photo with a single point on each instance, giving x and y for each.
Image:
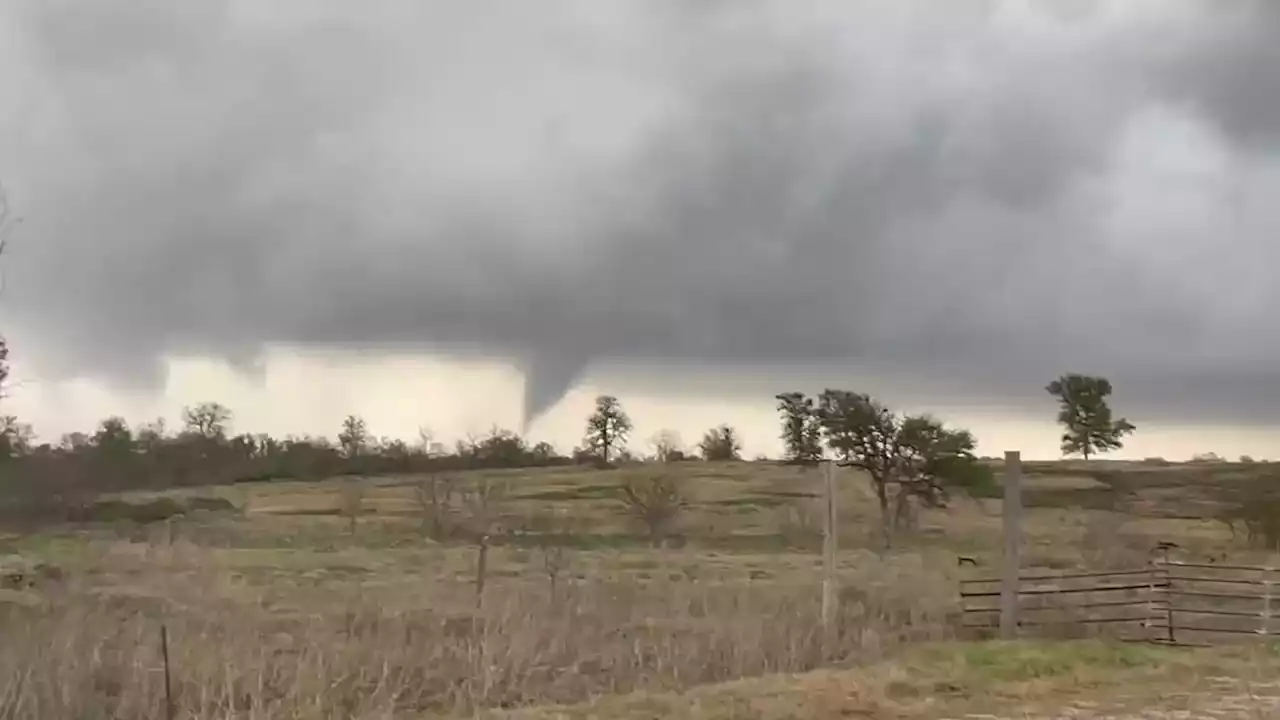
(1085, 414)
(917, 455)
(608, 427)
(801, 428)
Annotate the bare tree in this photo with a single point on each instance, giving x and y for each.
(209, 420)
(436, 496)
(550, 532)
(482, 504)
(655, 500)
(1252, 505)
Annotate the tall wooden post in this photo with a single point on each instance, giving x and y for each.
(1012, 544)
(829, 545)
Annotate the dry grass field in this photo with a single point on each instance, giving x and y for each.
(284, 608)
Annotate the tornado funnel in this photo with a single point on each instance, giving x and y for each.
(548, 377)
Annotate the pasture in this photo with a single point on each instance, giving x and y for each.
(342, 599)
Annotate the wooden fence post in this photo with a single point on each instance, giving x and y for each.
(1171, 632)
(1012, 512)
(1266, 602)
(829, 546)
(170, 710)
(1149, 625)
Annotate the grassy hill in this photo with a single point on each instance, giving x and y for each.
(276, 604)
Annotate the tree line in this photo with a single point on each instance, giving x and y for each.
(204, 450)
(917, 454)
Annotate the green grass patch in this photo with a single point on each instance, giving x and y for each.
(793, 494)
(983, 663)
(577, 541)
(1103, 498)
(749, 501)
(580, 492)
(744, 542)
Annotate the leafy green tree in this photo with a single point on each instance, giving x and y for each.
(862, 433)
(113, 452)
(502, 448)
(1086, 415)
(720, 443)
(542, 452)
(608, 428)
(354, 436)
(801, 428)
(935, 458)
(113, 438)
(904, 457)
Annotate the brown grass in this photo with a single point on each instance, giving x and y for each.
(282, 613)
(360, 634)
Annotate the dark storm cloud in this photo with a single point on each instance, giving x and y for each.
(978, 197)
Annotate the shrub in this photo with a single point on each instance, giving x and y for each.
(655, 500)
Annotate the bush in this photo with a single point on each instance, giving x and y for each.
(975, 478)
(655, 500)
(1253, 507)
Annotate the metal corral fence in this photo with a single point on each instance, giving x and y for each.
(1167, 602)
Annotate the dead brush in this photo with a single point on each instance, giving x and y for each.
(1252, 509)
(481, 523)
(236, 654)
(656, 500)
(550, 532)
(437, 496)
(351, 501)
(800, 522)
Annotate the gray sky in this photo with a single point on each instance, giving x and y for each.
(963, 197)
